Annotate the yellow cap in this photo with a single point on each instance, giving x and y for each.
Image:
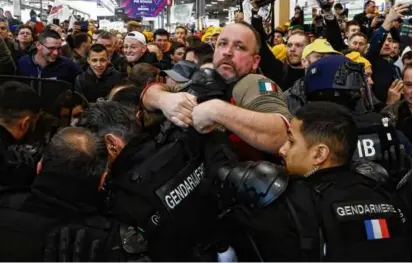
(320, 46)
(280, 52)
(356, 57)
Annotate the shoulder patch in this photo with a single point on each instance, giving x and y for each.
(265, 86)
(363, 210)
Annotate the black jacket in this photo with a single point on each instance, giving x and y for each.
(333, 192)
(28, 216)
(80, 60)
(147, 57)
(120, 63)
(7, 63)
(93, 87)
(17, 165)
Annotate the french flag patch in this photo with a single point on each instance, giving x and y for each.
(266, 86)
(376, 229)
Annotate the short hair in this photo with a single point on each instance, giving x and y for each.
(160, 32)
(255, 33)
(107, 117)
(174, 46)
(106, 35)
(132, 26)
(3, 20)
(407, 55)
(193, 41)
(129, 97)
(24, 27)
(202, 51)
(331, 124)
(338, 6)
(48, 34)
(97, 48)
(299, 33)
(142, 74)
(205, 59)
(358, 34)
(407, 67)
(78, 39)
(69, 99)
(75, 152)
(17, 99)
(367, 3)
(181, 27)
(351, 23)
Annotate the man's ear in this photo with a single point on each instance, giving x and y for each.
(256, 64)
(24, 124)
(321, 152)
(114, 146)
(39, 166)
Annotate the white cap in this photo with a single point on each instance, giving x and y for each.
(136, 35)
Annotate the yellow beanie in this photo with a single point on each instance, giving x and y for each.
(280, 52)
(356, 57)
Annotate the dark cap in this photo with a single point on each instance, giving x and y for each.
(181, 71)
(19, 96)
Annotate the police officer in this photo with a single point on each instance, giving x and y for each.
(338, 80)
(19, 111)
(327, 212)
(66, 191)
(156, 186)
(257, 114)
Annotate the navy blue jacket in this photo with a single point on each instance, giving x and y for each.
(62, 69)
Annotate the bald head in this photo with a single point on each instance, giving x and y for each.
(74, 151)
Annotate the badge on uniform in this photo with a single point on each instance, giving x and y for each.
(376, 229)
(265, 86)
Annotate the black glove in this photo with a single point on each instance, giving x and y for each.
(70, 244)
(207, 84)
(397, 162)
(371, 170)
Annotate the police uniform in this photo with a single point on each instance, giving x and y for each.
(332, 215)
(257, 93)
(28, 216)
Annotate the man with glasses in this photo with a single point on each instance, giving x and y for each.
(45, 60)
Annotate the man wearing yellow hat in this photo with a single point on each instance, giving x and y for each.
(318, 49)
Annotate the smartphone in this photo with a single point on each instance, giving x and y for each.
(56, 21)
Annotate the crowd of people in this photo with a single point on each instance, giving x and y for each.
(225, 145)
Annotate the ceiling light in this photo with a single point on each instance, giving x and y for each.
(225, 9)
(214, 3)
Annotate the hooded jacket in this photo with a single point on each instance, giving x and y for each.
(62, 69)
(93, 87)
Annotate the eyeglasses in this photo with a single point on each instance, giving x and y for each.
(50, 48)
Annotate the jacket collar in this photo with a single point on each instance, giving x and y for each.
(107, 72)
(70, 190)
(328, 174)
(6, 137)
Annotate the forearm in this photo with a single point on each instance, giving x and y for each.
(152, 97)
(264, 131)
(376, 42)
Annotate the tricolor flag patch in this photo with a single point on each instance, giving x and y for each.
(266, 86)
(376, 229)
